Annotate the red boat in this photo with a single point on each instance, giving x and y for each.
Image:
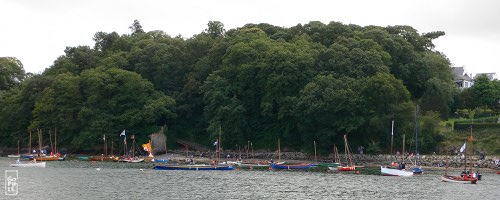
(346, 168)
(459, 179)
(350, 166)
(498, 172)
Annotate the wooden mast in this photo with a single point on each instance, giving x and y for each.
(347, 151)
(18, 147)
(218, 144)
(403, 155)
(29, 147)
(55, 141)
(446, 167)
(315, 158)
(40, 143)
(279, 151)
(105, 145)
(392, 137)
(50, 139)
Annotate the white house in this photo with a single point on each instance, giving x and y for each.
(491, 76)
(461, 78)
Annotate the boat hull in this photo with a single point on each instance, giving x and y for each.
(301, 166)
(193, 167)
(38, 164)
(394, 172)
(417, 170)
(14, 156)
(328, 165)
(101, 158)
(458, 179)
(48, 158)
(346, 168)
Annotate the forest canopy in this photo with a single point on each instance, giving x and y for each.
(259, 83)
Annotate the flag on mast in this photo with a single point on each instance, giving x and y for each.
(462, 149)
(470, 137)
(124, 137)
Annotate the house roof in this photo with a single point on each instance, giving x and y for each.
(491, 76)
(459, 74)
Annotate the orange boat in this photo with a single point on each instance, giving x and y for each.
(346, 168)
(348, 156)
(102, 158)
(47, 158)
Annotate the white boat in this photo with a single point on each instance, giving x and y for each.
(395, 172)
(14, 156)
(333, 168)
(29, 164)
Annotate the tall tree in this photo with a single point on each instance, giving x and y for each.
(11, 72)
(136, 28)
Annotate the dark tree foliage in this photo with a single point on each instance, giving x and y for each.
(257, 83)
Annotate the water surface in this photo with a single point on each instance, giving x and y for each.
(82, 180)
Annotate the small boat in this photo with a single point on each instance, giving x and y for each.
(193, 167)
(28, 164)
(458, 179)
(15, 155)
(346, 168)
(417, 170)
(48, 158)
(350, 166)
(298, 166)
(498, 172)
(395, 172)
(160, 160)
(328, 165)
(101, 158)
(83, 158)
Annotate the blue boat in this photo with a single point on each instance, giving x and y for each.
(299, 166)
(193, 167)
(161, 160)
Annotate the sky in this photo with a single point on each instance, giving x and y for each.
(37, 31)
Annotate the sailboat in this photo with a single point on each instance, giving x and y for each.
(400, 170)
(16, 155)
(196, 167)
(42, 156)
(415, 168)
(464, 178)
(282, 165)
(32, 163)
(336, 159)
(348, 156)
(104, 156)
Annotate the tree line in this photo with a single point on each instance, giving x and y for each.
(258, 83)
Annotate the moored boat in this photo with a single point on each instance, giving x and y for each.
(101, 158)
(28, 164)
(47, 158)
(346, 168)
(395, 172)
(458, 179)
(298, 166)
(193, 167)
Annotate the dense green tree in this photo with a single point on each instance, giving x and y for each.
(136, 28)
(11, 72)
(485, 93)
(259, 83)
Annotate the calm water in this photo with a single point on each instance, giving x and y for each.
(81, 180)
